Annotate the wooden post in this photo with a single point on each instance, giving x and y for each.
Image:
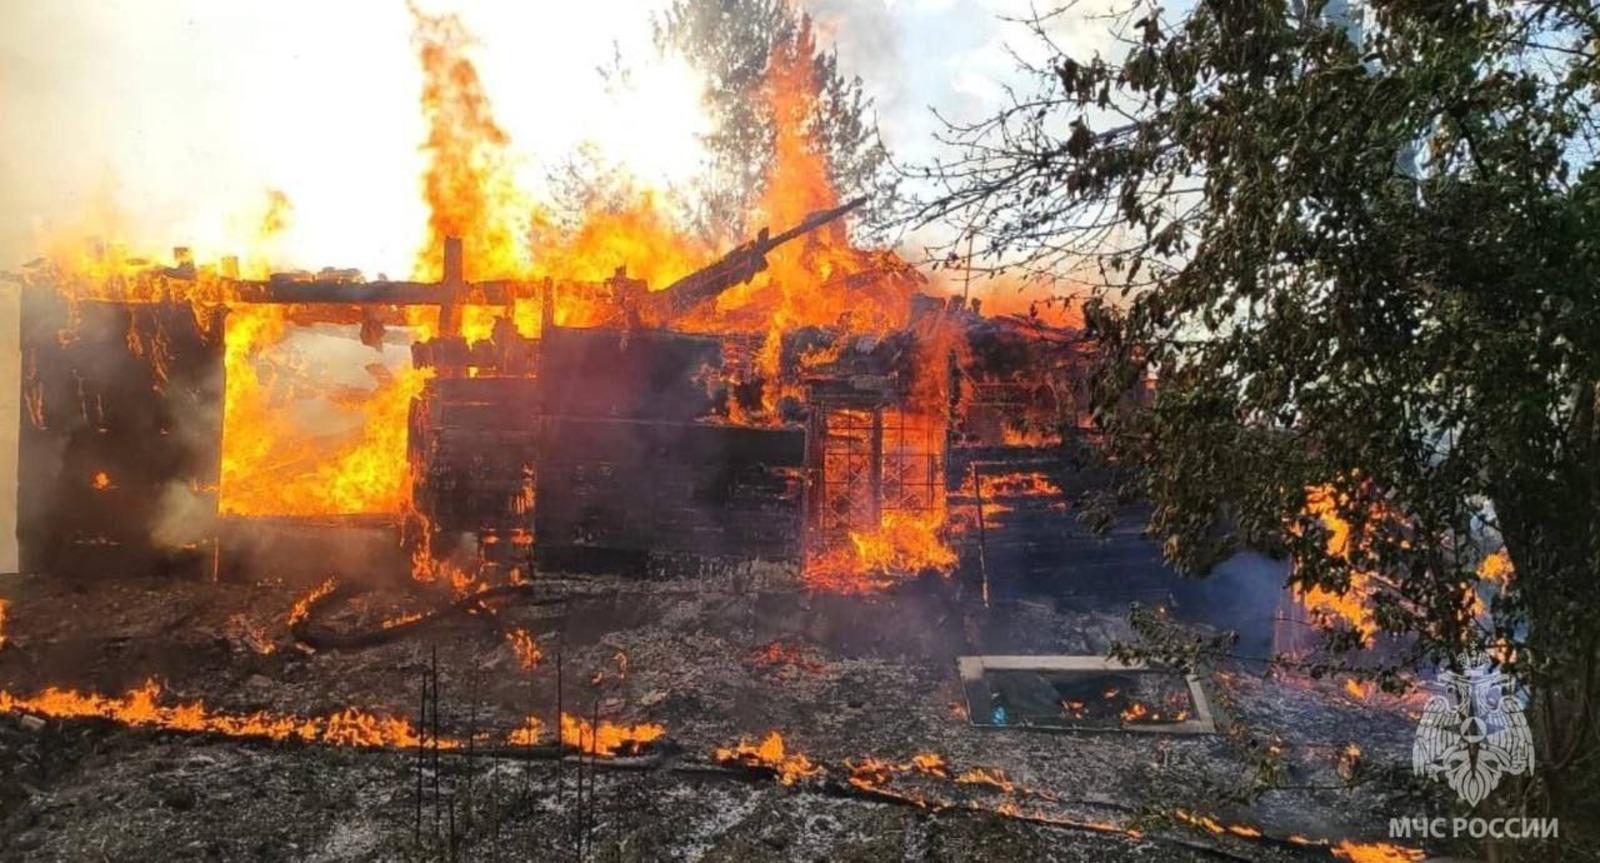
(454, 279)
(547, 306)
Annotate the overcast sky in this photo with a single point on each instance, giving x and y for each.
(164, 122)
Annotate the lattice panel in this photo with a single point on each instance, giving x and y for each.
(908, 474)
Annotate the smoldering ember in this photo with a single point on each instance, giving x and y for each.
(1173, 440)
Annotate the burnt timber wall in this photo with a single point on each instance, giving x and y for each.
(624, 463)
(119, 402)
(475, 441)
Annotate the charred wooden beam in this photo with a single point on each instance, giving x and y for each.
(735, 268)
(491, 293)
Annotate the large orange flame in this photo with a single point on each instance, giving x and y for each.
(274, 465)
(470, 183)
(820, 279)
(1353, 606)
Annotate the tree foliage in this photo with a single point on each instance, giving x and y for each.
(1356, 250)
(731, 43)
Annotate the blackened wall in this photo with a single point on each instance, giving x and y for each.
(121, 406)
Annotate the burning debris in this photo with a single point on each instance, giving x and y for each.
(302, 606)
(788, 767)
(526, 649)
(606, 739)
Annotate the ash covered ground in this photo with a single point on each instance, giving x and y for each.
(715, 658)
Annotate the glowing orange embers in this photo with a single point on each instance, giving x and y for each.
(872, 774)
(790, 767)
(4, 604)
(1014, 484)
(1212, 825)
(1360, 690)
(610, 738)
(139, 707)
(400, 620)
(1029, 437)
(778, 655)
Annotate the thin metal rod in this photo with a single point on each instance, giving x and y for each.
(422, 736)
(560, 778)
(436, 797)
(472, 734)
(594, 758)
(983, 540)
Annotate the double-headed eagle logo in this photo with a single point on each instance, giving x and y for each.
(1473, 731)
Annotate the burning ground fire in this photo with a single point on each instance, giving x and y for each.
(875, 776)
(352, 727)
(781, 657)
(139, 708)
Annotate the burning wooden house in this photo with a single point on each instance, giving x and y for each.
(578, 424)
